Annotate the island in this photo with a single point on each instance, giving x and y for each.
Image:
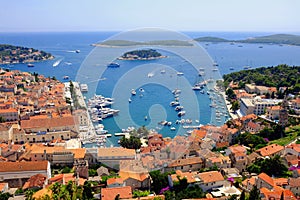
(280, 39)
(10, 54)
(142, 54)
(122, 43)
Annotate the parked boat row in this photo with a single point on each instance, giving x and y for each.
(99, 108)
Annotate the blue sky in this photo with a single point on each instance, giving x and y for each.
(181, 15)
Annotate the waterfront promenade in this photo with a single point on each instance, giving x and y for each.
(89, 131)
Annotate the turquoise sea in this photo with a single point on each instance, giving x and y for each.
(156, 97)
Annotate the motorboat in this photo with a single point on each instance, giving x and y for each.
(174, 103)
(180, 73)
(113, 65)
(178, 108)
(181, 113)
(56, 63)
(133, 92)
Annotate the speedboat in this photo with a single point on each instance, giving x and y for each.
(197, 87)
(133, 92)
(181, 113)
(66, 77)
(56, 63)
(178, 108)
(174, 103)
(172, 128)
(176, 91)
(150, 75)
(113, 65)
(180, 73)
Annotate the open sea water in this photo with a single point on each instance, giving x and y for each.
(156, 98)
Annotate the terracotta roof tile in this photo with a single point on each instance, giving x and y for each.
(23, 166)
(111, 193)
(295, 147)
(115, 151)
(211, 176)
(134, 175)
(190, 176)
(270, 150)
(266, 178)
(114, 180)
(294, 182)
(41, 121)
(37, 180)
(186, 161)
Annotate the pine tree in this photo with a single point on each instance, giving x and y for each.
(254, 194)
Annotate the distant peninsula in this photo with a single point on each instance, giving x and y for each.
(10, 54)
(123, 43)
(287, 39)
(143, 54)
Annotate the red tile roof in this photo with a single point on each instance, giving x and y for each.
(112, 193)
(270, 150)
(114, 180)
(23, 166)
(36, 181)
(211, 176)
(266, 178)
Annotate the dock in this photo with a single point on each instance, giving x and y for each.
(127, 135)
(193, 127)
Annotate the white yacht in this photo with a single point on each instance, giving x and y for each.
(56, 63)
(180, 73)
(133, 92)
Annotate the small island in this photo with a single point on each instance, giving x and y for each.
(280, 39)
(10, 54)
(143, 54)
(124, 43)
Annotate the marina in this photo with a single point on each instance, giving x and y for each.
(99, 108)
(234, 59)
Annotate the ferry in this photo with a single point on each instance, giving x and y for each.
(56, 63)
(113, 65)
